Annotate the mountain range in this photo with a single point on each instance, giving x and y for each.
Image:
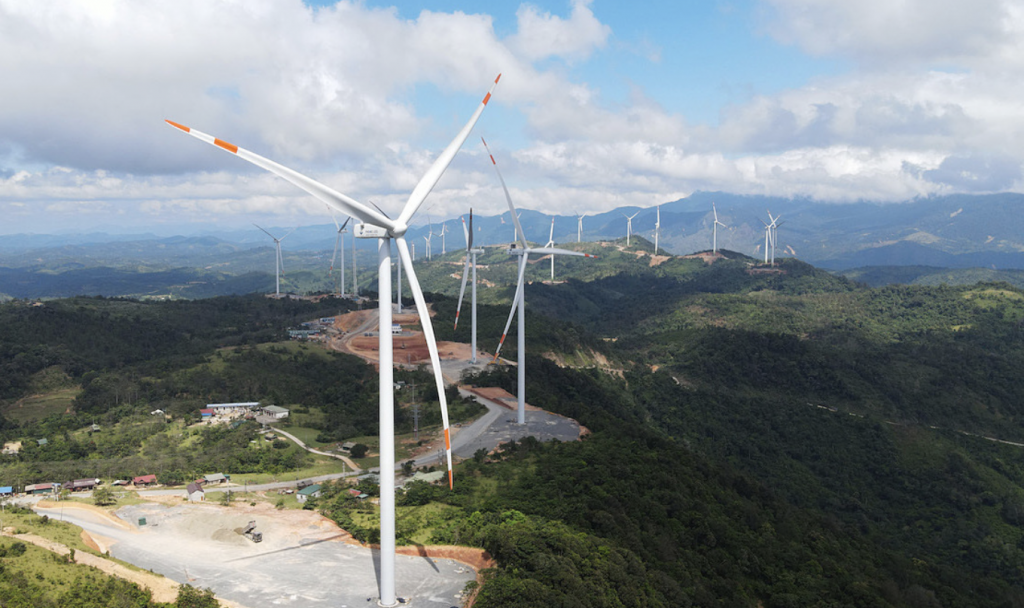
(934, 233)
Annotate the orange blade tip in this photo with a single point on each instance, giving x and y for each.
(498, 78)
(174, 124)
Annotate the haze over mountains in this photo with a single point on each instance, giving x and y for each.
(954, 232)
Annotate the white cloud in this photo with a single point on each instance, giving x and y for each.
(540, 36)
(338, 93)
(896, 32)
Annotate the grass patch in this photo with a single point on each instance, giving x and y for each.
(305, 434)
(37, 407)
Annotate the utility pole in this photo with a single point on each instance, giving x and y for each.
(416, 421)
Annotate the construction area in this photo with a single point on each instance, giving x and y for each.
(304, 559)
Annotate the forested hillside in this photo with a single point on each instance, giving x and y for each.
(767, 437)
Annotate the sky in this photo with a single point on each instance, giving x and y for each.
(601, 104)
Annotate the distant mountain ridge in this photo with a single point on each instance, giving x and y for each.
(956, 231)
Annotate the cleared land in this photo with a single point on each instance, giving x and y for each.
(304, 559)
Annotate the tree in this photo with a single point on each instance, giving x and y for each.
(193, 597)
(103, 497)
(359, 450)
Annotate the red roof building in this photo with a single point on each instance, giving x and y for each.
(144, 480)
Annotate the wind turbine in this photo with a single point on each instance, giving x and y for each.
(444, 231)
(523, 251)
(427, 239)
(279, 261)
(775, 232)
(657, 230)
(629, 226)
(470, 259)
(579, 226)
(355, 270)
(551, 243)
(384, 229)
(339, 245)
(714, 230)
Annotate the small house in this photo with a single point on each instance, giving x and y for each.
(42, 441)
(347, 446)
(215, 478)
(41, 488)
(275, 411)
(81, 485)
(144, 480)
(195, 492)
(119, 482)
(396, 330)
(206, 413)
(308, 492)
(6, 490)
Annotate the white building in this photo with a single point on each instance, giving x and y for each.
(223, 408)
(275, 411)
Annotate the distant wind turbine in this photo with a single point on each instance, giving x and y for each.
(279, 261)
(551, 243)
(714, 230)
(339, 246)
(629, 226)
(657, 230)
(519, 301)
(579, 227)
(471, 254)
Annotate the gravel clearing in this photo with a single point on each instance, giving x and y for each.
(304, 559)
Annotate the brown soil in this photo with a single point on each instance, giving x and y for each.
(109, 517)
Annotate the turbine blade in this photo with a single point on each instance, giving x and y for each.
(515, 303)
(339, 201)
(266, 233)
(465, 233)
(551, 233)
(431, 177)
(470, 246)
(289, 232)
(558, 251)
(428, 333)
(462, 290)
(508, 197)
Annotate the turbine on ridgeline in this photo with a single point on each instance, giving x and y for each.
(471, 254)
(278, 260)
(523, 251)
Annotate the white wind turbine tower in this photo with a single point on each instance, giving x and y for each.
(579, 226)
(714, 230)
(551, 243)
(339, 245)
(355, 269)
(523, 251)
(379, 226)
(657, 230)
(444, 231)
(471, 254)
(774, 227)
(279, 261)
(629, 226)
